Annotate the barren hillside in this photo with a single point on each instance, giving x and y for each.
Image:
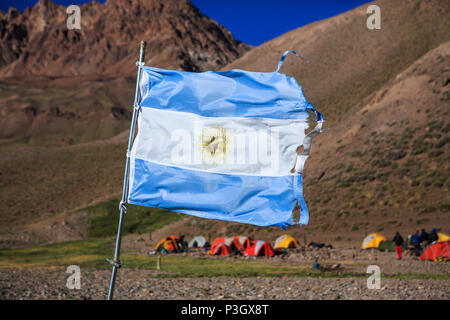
(348, 61)
(385, 167)
(382, 166)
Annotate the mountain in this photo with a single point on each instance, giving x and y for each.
(386, 165)
(66, 95)
(348, 61)
(383, 168)
(60, 86)
(383, 164)
(179, 36)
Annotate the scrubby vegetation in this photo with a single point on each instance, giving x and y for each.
(103, 219)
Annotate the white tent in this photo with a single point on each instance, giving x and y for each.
(198, 241)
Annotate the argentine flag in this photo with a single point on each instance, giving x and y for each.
(222, 145)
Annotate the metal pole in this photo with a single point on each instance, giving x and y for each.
(123, 208)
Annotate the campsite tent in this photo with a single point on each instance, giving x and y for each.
(439, 250)
(259, 248)
(197, 242)
(169, 244)
(241, 242)
(221, 250)
(227, 240)
(285, 241)
(373, 241)
(443, 237)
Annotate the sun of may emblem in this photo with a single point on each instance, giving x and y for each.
(215, 144)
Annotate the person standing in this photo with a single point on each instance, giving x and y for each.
(424, 237)
(416, 241)
(398, 240)
(434, 236)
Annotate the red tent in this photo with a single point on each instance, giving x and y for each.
(259, 248)
(221, 250)
(226, 240)
(170, 244)
(437, 250)
(241, 242)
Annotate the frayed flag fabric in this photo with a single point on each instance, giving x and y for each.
(222, 145)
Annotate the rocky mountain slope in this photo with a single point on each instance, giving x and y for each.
(386, 165)
(65, 95)
(382, 166)
(60, 86)
(348, 61)
(179, 36)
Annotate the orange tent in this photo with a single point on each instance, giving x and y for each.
(436, 251)
(221, 250)
(259, 248)
(225, 240)
(241, 242)
(169, 244)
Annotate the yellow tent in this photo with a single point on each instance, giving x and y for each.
(286, 241)
(443, 237)
(373, 241)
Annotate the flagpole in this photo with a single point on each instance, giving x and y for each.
(122, 206)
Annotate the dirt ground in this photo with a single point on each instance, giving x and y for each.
(141, 284)
(137, 284)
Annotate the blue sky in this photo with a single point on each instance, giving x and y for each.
(251, 21)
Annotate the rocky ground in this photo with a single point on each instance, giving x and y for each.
(142, 284)
(138, 284)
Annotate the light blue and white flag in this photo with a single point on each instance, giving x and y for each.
(222, 145)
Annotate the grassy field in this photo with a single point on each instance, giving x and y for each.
(92, 254)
